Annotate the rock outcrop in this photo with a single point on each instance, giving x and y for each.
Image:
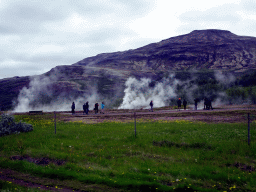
(200, 49)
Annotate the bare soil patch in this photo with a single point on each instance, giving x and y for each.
(38, 161)
(228, 115)
(31, 181)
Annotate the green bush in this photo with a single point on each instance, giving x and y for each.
(9, 126)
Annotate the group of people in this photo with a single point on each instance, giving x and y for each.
(86, 108)
(184, 104)
(207, 103)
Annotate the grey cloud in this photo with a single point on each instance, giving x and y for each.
(135, 7)
(106, 34)
(28, 16)
(249, 5)
(29, 12)
(222, 13)
(27, 21)
(23, 70)
(124, 8)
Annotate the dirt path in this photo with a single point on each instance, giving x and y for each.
(229, 115)
(31, 181)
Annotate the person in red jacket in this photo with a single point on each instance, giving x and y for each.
(179, 103)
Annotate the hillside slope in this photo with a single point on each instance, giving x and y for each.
(106, 73)
(200, 49)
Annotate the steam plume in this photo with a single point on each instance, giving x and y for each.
(43, 94)
(139, 93)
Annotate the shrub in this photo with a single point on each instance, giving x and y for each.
(9, 126)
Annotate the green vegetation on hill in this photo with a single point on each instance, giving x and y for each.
(230, 87)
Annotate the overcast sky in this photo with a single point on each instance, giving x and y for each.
(37, 35)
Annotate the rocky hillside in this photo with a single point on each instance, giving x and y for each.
(200, 49)
(106, 73)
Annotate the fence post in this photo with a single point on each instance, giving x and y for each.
(135, 123)
(55, 121)
(248, 128)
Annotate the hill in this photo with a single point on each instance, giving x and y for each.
(200, 49)
(104, 75)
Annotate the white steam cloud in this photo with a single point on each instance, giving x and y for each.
(139, 93)
(56, 94)
(41, 88)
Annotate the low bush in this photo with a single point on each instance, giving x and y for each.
(9, 126)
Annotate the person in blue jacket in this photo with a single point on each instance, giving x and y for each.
(102, 107)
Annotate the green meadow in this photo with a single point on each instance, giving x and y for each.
(164, 156)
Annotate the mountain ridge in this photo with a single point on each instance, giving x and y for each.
(210, 49)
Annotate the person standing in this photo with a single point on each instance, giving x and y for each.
(151, 106)
(87, 107)
(196, 101)
(184, 104)
(205, 103)
(102, 107)
(210, 104)
(179, 104)
(73, 106)
(83, 108)
(96, 108)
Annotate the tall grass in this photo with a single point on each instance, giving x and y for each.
(164, 156)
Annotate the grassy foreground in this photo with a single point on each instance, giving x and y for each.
(164, 156)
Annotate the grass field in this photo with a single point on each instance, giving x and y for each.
(164, 156)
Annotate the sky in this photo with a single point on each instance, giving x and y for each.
(36, 35)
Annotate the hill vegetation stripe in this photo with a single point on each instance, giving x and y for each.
(248, 128)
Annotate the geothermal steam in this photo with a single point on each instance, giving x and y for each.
(29, 98)
(41, 94)
(139, 93)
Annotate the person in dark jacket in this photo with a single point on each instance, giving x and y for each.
(87, 108)
(184, 104)
(205, 103)
(83, 108)
(196, 101)
(179, 104)
(73, 106)
(96, 108)
(151, 106)
(210, 104)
